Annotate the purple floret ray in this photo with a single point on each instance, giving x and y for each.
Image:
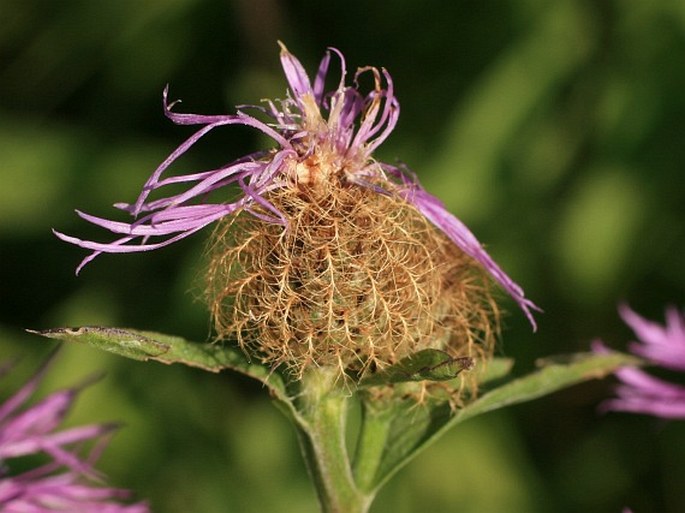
(662, 345)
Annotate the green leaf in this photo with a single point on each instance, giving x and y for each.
(414, 427)
(494, 370)
(427, 364)
(555, 374)
(148, 345)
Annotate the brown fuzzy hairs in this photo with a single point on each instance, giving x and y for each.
(357, 280)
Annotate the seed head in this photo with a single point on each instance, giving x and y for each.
(358, 280)
(327, 257)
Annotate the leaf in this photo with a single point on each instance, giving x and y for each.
(427, 364)
(494, 370)
(148, 345)
(555, 374)
(415, 427)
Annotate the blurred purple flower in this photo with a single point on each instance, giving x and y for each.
(638, 391)
(315, 131)
(67, 482)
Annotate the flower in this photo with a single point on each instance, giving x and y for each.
(640, 392)
(326, 256)
(67, 482)
(354, 126)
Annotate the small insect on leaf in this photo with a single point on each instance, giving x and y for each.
(424, 365)
(119, 341)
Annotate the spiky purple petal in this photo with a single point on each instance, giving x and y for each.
(664, 345)
(295, 74)
(639, 392)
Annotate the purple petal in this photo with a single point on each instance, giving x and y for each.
(255, 196)
(641, 393)
(637, 380)
(23, 394)
(437, 214)
(320, 81)
(295, 74)
(184, 220)
(40, 492)
(648, 406)
(41, 418)
(119, 245)
(218, 120)
(152, 182)
(389, 114)
(664, 345)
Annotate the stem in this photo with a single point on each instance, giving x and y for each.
(321, 429)
(373, 435)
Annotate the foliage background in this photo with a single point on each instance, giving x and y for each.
(554, 129)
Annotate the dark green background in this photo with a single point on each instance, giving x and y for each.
(556, 130)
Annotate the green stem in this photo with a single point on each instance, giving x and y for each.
(373, 435)
(321, 428)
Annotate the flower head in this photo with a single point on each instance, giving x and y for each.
(640, 392)
(322, 240)
(67, 481)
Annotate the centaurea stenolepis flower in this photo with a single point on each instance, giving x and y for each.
(327, 256)
(640, 392)
(65, 481)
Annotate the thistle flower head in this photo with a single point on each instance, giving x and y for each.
(67, 481)
(327, 256)
(662, 345)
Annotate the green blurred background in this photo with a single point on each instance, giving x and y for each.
(554, 129)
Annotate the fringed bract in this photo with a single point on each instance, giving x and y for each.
(357, 280)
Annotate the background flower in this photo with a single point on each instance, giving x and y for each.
(66, 481)
(662, 345)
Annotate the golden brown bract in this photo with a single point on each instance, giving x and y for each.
(357, 280)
